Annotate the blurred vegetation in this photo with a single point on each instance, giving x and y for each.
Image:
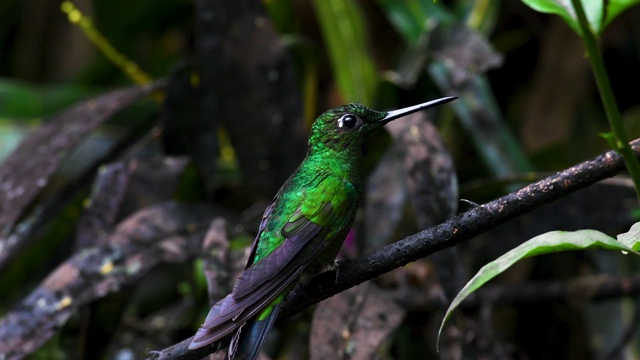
(528, 105)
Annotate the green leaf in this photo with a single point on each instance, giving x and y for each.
(345, 35)
(631, 239)
(411, 17)
(599, 13)
(615, 8)
(563, 8)
(554, 241)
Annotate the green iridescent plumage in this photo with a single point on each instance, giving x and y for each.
(302, 229)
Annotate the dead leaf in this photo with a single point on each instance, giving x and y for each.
(169, 232)
(29, 168)
(354, 324)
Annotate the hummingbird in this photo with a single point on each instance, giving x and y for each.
(303, 227)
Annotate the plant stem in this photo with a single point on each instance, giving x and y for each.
(619, 141)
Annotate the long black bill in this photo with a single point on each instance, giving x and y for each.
(394, 114)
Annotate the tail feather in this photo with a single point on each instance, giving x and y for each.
(248, 339)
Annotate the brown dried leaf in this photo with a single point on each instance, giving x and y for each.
(416, 165)
(123, 187)
(169, 232)
(385, 198)
(152, 180)
(27, 170)
(430, 172)
(467, 53)
(433, 188)
(106, 197)
(354, 324)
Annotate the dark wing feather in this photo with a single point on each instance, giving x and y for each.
(273, 264)
(217, 327)
(254, 295)
(261, 282)
(257, 281)
(263, 224)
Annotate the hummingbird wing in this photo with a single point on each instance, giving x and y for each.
(263, 223)
(326, 208)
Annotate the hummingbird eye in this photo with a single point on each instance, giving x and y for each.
(347, 121)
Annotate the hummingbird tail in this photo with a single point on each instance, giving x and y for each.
(248, 339)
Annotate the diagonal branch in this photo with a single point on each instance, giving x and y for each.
(460, 228)
(463, 227)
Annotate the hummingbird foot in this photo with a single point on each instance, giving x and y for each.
(335, 266)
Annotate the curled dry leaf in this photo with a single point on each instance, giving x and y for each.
(467, 53)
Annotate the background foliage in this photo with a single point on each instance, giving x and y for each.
(230, 127)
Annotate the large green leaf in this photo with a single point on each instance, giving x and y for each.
(553, 241)
(345, 35)
(599, 13)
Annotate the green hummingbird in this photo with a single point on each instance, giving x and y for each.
(302, 229)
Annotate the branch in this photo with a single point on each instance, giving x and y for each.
(460, 228)
(463, 227)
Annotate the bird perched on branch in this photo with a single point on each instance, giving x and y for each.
(302, 229)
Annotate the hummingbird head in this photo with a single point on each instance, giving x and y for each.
(350, 125)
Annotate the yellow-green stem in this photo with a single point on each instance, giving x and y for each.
(620, 143)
